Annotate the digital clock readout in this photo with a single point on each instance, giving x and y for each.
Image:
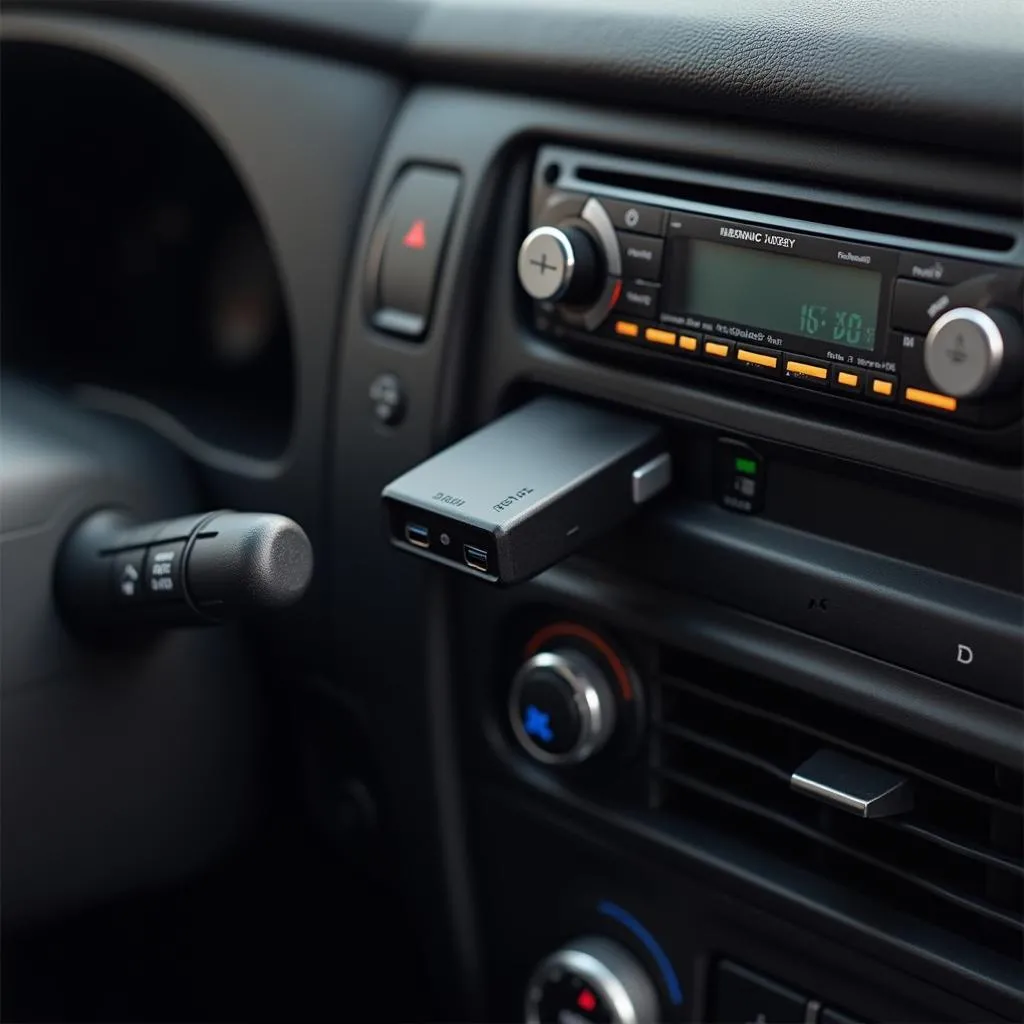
(836, 305)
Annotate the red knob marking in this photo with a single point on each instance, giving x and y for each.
(557, 629)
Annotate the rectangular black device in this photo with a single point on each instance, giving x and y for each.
(702, 287)
(528, 489)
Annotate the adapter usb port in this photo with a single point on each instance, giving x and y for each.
(417, 535)
(476, 558)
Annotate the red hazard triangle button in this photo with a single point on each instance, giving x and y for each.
(416, 236)
(411, 236)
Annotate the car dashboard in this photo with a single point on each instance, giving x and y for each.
(744, 748)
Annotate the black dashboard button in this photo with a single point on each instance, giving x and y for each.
(738, 476)
(639, 300)
(742, 996)
(933, 270)
(913, 304)
(641, 256)
(411, 240)
(387, 399)
(645, 220)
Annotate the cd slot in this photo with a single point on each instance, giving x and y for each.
(761, 202)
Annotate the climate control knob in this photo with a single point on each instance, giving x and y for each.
(591, 979)
(561, 264)
(561, 707)
(971, 352)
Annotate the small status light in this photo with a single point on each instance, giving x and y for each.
(586, 1001)
(748, 466)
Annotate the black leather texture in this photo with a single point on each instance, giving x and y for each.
(948, 73)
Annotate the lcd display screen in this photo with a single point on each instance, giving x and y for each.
(833, 304)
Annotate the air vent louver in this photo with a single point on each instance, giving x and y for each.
(727, 745)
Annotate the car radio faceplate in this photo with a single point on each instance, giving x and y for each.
(927, 326)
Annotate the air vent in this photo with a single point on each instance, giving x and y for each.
(757, 201)
(727, 745)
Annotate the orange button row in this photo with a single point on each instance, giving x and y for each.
(656, 335)
(800, 369)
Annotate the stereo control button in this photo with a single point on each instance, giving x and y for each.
(916, 305)
(932, 270)
(846, 378)
(806, 370)
(645, 220)
(717, 348)
(759, 360)
(560, 264)
(639, 299)
(641, 257)
(882, 386)
(931, 399)
(660, 337)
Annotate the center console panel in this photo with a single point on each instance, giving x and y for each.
(788, 612)
(721, 709)
(829, 573)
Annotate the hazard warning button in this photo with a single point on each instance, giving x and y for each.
(410, 241)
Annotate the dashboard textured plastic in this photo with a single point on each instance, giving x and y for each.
(935, 72)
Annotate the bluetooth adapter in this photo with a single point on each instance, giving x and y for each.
(527, 490)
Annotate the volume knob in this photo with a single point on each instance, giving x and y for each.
(560, 264)
(970, 352)
(561, 707)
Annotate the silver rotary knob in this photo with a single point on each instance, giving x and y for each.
(591, 979)
(561, 707)
(560, 264)
(971, 352)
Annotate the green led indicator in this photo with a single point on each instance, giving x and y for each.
(748, 466)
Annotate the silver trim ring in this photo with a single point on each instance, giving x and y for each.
(609, 969)
(561, 239)
(993, 342)
(591, 693)
(597, 217)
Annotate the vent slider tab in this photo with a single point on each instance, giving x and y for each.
(853, 786)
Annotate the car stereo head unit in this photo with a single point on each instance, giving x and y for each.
(853, 312)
